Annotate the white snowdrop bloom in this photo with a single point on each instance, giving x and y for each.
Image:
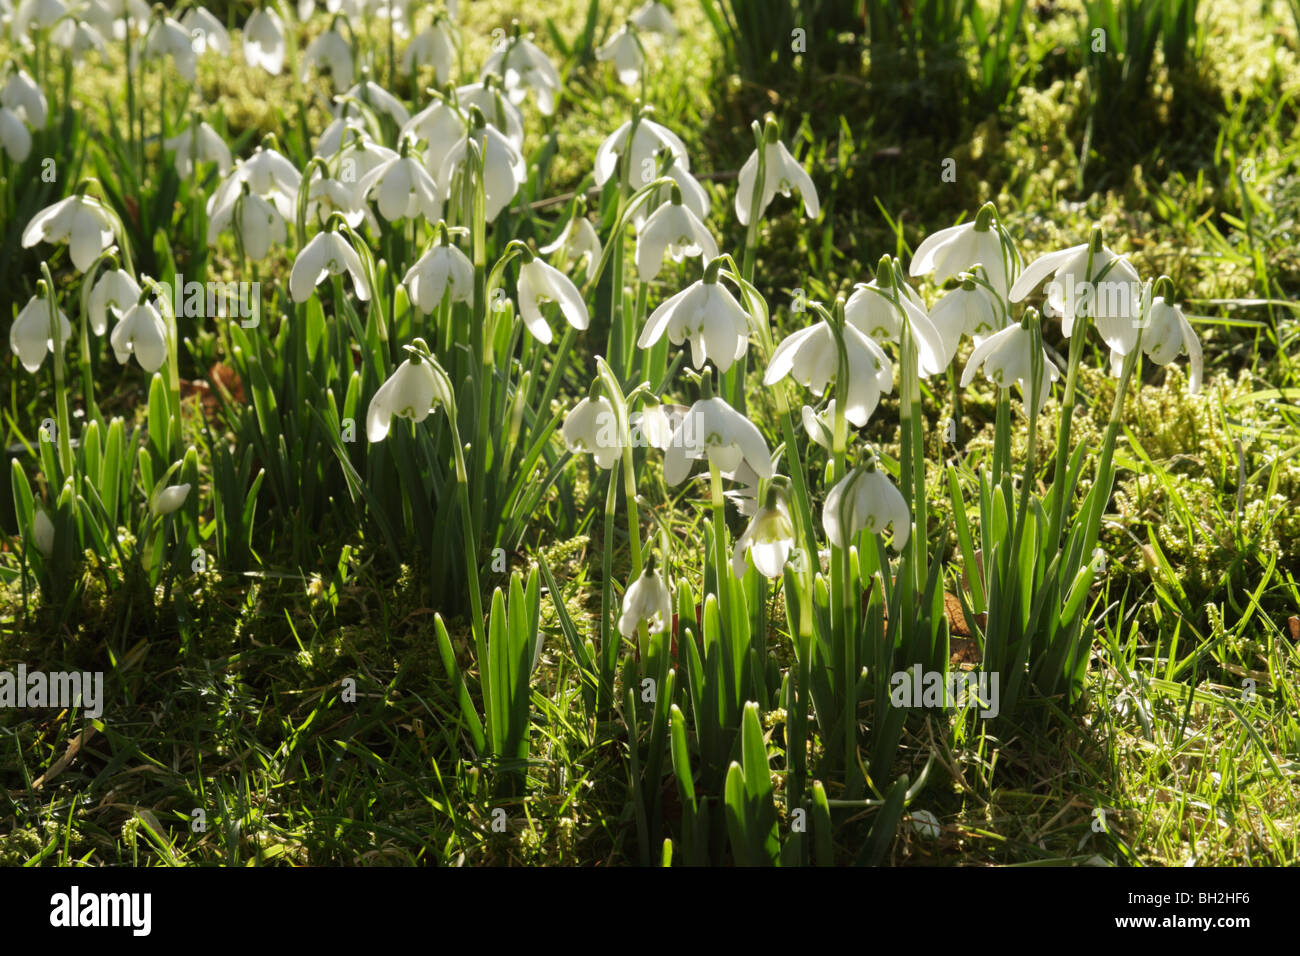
(706, 314)
(43, 532)
(355, 159)
(142, 333)
(439, 127)
(865, 500)
(81, 221)
(782, 174)
(259, 224)
(342, 129)
(167, 38)
(646, 599)
(714, 430)
(653, 424)
(674, 229)
(811, 357)
(961, 248)
(966, 310)
(433, 47)
(540, 283)
(874, 314)
(22, 95)
(199, 144)
(14, 136)
(402, 189)
(496, 108)
(641, 164)
(694, 196)
(379, 99)
(79, 38)
(327, 254)
(263, 40)
(1166, 334)
(521, 66)
(412, 391)
(654, 17)
(442, 268)
(41, 14)
(1007, 358)
(768, 540)
(115, 291)
(504, 170)
(1112, 291)
(591, 428)
(820, 426)
(327, 196)
(32, 334)
(167, 500)
(576, 244)
(268, 174)
(207, 31)
(624, 50)
(329, 51)
(112, 17)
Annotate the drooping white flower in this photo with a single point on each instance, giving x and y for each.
(872, 311)
(624, 49)
(493, 102)
(402, 189)
(961, 248)
(199, 144)
(14, 136)
(504, 170)
(966, 310)
(694, 196)
(653, 424)
(782, 174)
(865, 500)
(21, 94)
(540, 283)
(78, 37)
(706, 314)
(81, 221)
(142, 333)
(674, 229)
(327, 254)
(268, 174)
(714, 430)
(167, 38)
(263, 40)
(1166, 334)
(43, 532)
(32, 334)
(646, 599)
(654, 17)
(769, 539)
(207, 31)
(1110, 292)
(1007, 358)
(439, 126)
(640, 157)
(412, 391)
(41, 14)
(576, 244)
(167, 500)
(523, 67)
(820, 426)
(374, 96)
(443, 268)
(329, 51)
(114, 291)
(811, 357)
(433, 47)
(591, 428)
(259, 223)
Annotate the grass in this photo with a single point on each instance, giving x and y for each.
(304, 707)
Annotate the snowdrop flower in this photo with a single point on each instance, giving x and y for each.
(639, 157)
(258, 223)
(820, 426)
(522, 67)
(373, 95)
(1007, 357)
(413, 391)
(694, 196)
(43, 532)
(960, 248)
(674, 229)
(14, 136)
(706, 314)
(1110, 293)
(329, 51)
(81, 221)
(353, 161)
(577, 243)
(504, 170)
(865, 500)
(78, 37)
(142, 333)
(328, 254)
(442, 269)
(872, 310)
(495, 106)
(811, 357)
(624, 49)
(782, 174)
(653, 424)
(769, 539)
(114, 291)
(268, 174)
(33, 331)
(402, 188)
(342, 129)
(167, 500)
(439, 126)
(263, 40)
(1166, 334)
(714, 430)
(21, 94)
(966, 310)
(207, 31)
(200, 143)
(433, 47)
(42, 14)
(646, 599)
(168, 38)
(540, 283)
(592, 428)
(654, 17)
